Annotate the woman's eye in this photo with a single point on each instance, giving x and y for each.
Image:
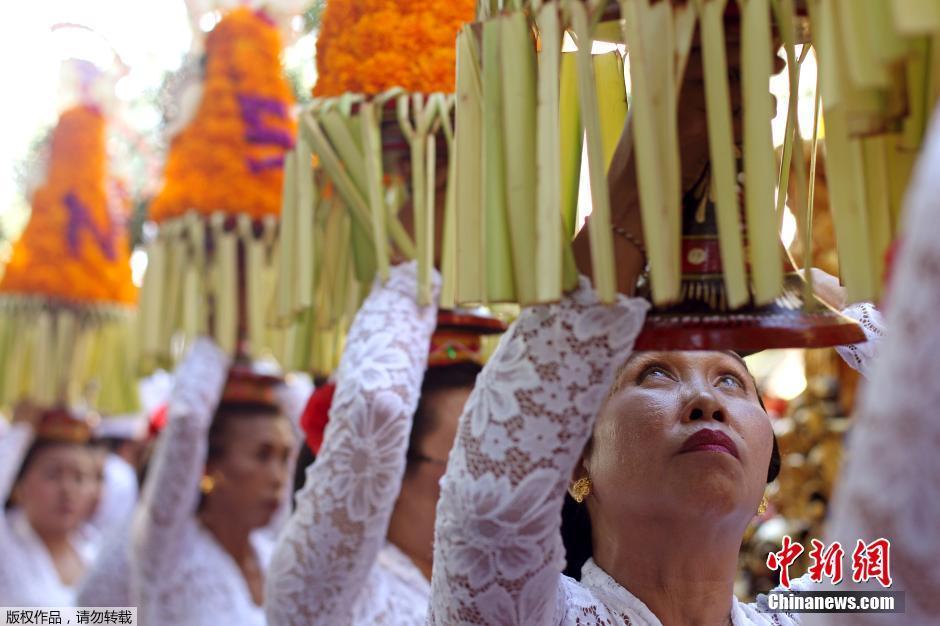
(730, 380)
(654, 373)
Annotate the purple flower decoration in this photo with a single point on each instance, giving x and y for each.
(253, 110)
(271, 163)
(80, 220)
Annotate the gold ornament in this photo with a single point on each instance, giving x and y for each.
(580, 489)
(762, 508)
(206, 484)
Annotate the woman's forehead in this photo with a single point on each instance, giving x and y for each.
(65, 455)
(685, 356)
(258, 428)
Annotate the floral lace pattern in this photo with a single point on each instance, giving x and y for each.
(327, 567)
(498, 551)
(889, 487)
(109, 582)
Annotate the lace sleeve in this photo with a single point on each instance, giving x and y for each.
(172, 487)
(498, 552)
(108, 582)
(889, 485)
(14, 442)
(860, 355)
(331, 542)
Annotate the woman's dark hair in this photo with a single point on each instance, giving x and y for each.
(436, 378)
(774, 470)
(305, 458)
(576, 523)
(39, 444)
(226, 412)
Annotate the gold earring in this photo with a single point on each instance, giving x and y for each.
(762, 508)
(206, 484)
(580, 489)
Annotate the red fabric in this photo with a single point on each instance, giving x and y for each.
(316, 415)
(891, 256)
(157, 420)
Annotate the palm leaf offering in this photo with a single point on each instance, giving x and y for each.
(67, 303)
(519, 131)
(358, 162)
(372, 179)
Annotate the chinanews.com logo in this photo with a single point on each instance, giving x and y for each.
(870, 563)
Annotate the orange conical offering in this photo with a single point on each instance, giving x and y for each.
(230, 156)
(75, 246)
(220, 203)
(66, 294)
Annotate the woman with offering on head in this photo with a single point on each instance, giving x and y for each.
(358, 549)
(47, 481)
(667, 455)
(218, 477)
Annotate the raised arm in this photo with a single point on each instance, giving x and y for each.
(331, 541)
(889, 485)
(14, 442)
(498, 552)
(171, 492)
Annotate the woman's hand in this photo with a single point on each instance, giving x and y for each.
(828, 289)
(692, 125)
(27, 413)
(629, 257)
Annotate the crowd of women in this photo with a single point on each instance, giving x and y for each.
(445, 491)
(437, 493)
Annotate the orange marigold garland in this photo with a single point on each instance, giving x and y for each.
(65, 320)
(229, 158)
(75, 246)
(369, 46)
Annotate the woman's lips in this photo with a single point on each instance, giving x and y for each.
(710, 440)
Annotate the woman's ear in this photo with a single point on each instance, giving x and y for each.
(581, 467)
(16, 496)
(211, 469)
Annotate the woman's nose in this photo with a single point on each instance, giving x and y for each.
(704, 406)
(279, 473)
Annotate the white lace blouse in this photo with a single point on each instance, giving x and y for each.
(332, 565)
(28, 576)
(109, 581)
(183, 576)
(498, 550)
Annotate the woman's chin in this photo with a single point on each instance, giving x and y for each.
(265, 513)
(710, 494)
